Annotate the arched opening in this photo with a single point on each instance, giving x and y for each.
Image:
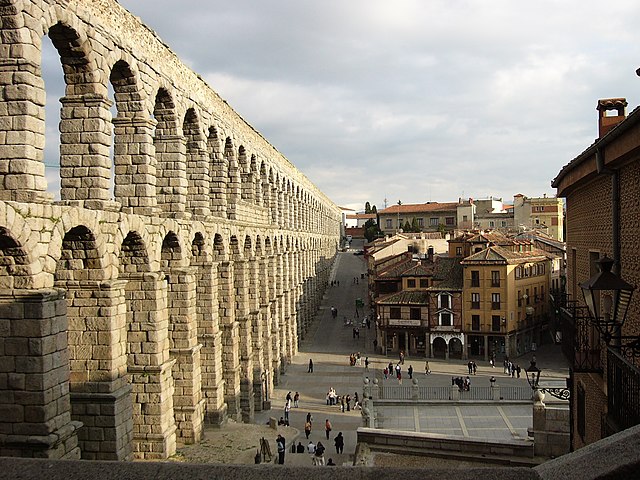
(455, 349)
(439, 348)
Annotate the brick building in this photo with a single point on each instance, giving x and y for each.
(601, 190)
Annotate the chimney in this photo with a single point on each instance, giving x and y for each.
(430, 254)
(607, 122)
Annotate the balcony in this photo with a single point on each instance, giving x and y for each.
(623, 387)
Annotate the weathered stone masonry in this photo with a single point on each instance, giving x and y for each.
(131, 318)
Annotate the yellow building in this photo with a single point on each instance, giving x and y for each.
(505, 302)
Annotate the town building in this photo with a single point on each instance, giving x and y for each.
(544, 215)
(419, 307)
(600, 187)
(505, 286)
(427, 217)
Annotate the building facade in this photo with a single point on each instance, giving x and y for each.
(600, 188)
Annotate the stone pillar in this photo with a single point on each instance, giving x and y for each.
(22, 173)
(273, 319)
(230, 340)
(135, 165)
(85, 138)
(257, 309)
(100, 393)
(219, 178)
(234, 192)
(188, 403)
(35, 413)
(149, 366)
(280, 312)
(171, 179)
(210, 336)
(486, 348)
(241, 276)
(199, 180)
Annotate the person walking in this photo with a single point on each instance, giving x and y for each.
(410, 372)
(327, 427)
(287, 408)
(310, 370)
(339, 443)
(296, 398)
(427, 369)
(307, 428)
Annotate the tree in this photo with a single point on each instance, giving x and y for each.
(371, 230)
(406, 227)
(374, 210)
(367, 207)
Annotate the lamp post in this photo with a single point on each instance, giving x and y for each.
(533, 377)
(607, 297)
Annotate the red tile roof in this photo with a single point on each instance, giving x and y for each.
(420, 207)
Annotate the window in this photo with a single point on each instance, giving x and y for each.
(421, 222)
(399, 223)
(445, 300)
(450, 221)
(527, 296)
(503, 223)
(434, 221)
(411, 283)
(415, 314)
(394, 312)
(518, 272)
(475, 278)
(464, 218)
(445, 319)
(458, 251)
(535, 294)
(495, 323)
(475, 300)
(389, 223)
(495, 301)
(495, 278)
(542, 293)
(475, 322)
(492, 224)
(424, 283)
(519, 298)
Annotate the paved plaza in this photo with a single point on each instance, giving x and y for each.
(329, 344)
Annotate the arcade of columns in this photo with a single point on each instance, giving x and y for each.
(131, 317)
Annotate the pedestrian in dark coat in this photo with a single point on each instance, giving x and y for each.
(339, 443)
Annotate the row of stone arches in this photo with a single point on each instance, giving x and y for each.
(159, 342)
(178, 149)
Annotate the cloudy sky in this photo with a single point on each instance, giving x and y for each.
(413, 100)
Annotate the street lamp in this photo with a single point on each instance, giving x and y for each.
(607, 296)
(533, 377)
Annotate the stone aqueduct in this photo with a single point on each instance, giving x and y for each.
(131, 317)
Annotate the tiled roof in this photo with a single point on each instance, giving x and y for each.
(420, 208)
(406, 297)
(499, 255)
(410, 268)
(361, 215)
(448, 274)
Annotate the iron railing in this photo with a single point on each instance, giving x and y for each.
(623, 392)
(580, 340)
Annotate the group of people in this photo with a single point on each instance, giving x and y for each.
(396, 371)
(511, 368)
(464, 384)
(472, 367)
(343, 401)
(355, 359)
